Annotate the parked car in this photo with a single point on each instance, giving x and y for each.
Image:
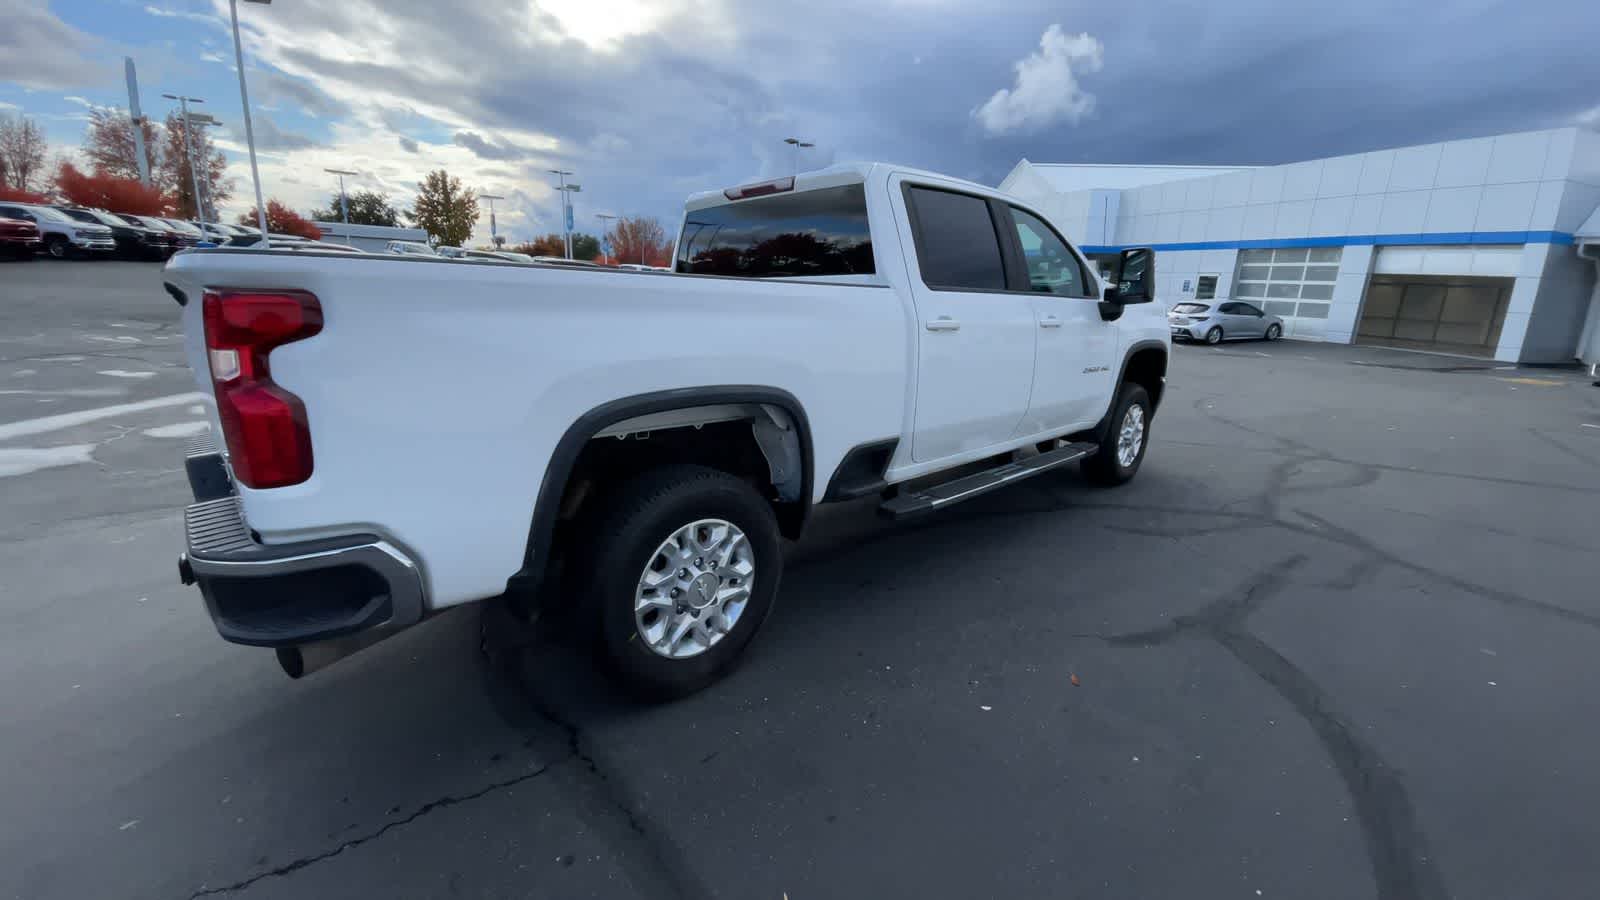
(219, 232)
(193, 232)
(349, 506)
(63, 236)
(491, 256)
(253, 237)
(19, 238)
(133, 241)
(641, 267)
(1230, 321)
(563, 261)
(449, 252)
(409, 248)
(178, 240)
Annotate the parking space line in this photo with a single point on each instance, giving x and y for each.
(26, 427)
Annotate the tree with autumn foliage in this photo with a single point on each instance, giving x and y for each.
(640, 239)
(109, 145)
(282, 220)
(105, 191)
(211, 164)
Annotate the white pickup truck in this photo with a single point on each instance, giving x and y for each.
(404, 434)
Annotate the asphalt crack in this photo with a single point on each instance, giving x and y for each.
(423, 810)
(1397, 851)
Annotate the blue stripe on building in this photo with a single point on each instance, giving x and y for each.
(1446, 238)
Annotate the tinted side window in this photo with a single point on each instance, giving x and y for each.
(789, 235)
(1246, 309)
(1229, 309)
(957, 246)
(1052, 268)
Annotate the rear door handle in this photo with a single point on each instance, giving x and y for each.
(1050, 322)
(943, 323)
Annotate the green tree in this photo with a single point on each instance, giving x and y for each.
(366, 208)
(585, 246)
(444, 209)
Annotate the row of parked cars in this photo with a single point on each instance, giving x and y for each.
(75, 232)
(417, 248)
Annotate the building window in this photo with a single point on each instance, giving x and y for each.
(1299, 282)
(1205, 288)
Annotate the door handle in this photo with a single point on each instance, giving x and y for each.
(943, 323)
(1050, 322)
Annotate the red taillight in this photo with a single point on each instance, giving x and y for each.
(760, 188)
(269, 441)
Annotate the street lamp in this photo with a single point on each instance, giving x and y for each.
(188, 148)
(494, 240)
(344, 202)
(566, 206)
(244, 99)
(797, 145)
(605, 229)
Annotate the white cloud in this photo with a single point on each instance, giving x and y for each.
(12, 106)
(212, 56)
(1046, 90)
(78, 100)
(1589, 118)
(162, 12)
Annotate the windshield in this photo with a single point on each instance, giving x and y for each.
(1190, 308)
(49, 214)
(182, 226)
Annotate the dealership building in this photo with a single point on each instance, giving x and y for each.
(1487, 247)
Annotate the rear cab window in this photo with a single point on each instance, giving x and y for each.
(806, 234)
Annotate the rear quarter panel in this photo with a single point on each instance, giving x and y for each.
(437, 390)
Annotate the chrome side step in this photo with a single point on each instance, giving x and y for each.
(914, 502)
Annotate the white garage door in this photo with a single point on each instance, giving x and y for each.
(1447, 313)
(1296, 285)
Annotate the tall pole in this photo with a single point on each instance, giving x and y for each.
(249, 134)
(797, 144)
(137, 116)
(188, 150)
(344, 201)
(494, 236)
(605, 236)
(566, 217)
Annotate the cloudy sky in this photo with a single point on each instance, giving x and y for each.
(648, 100)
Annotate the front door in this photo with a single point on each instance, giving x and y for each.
(1073, 368)
(975, 341)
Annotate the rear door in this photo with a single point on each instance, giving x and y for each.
(975, 339)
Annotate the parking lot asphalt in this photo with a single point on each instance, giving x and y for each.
(1338, 639)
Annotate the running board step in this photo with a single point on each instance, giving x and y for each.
(928, 499)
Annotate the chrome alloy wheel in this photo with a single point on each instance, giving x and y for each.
(694, 588)
(1130, 438)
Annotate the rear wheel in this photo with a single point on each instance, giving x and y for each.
(1274, 332)
(1214, 336)
(683, 569)
(1122, 452)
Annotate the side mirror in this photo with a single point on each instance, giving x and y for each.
(1136, 282)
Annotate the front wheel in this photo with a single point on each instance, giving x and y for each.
(58, 247)
(683, 571)
(1214, 336)
(1122, 452)
(1274, 332)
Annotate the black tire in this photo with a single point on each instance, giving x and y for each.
(1214, 336)
(1274, 332)
(57, 247)
(639, 517)
(1104, 467)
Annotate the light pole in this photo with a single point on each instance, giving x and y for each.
(188, 147)
(344, 202)
(494, 240)
(244, 100)
(605, 234)
(797, 145)
(566, 191)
